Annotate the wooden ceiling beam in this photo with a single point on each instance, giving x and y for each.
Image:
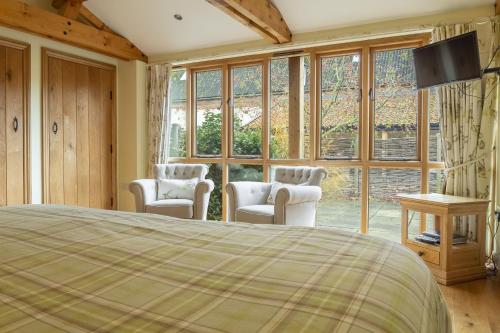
(260, 15)
(88, 16)
(83, 13)
(19, 15)
(71, 9)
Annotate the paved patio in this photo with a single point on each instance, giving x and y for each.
(384, 218)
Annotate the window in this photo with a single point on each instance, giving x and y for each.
(208, 107)
(435, 151)
(290, 108)
(178, 114)
(340, 206)
(394, 97)
(241, 172)
(247, 110)
(340, 106)
(384, 211)
(253, 114)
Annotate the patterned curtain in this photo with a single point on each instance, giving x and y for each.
(157, 109)
(468, 122)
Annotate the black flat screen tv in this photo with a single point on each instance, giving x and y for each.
(447, 61)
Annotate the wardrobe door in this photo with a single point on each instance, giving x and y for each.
(13, 123)
(78, 114)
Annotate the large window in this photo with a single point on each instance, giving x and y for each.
(396, 106)
(290, 107)
(178, 113)
(208, 106)
(353, 109)
(340, 106)
(246, 108)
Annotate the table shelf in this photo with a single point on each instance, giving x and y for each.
(449, 263)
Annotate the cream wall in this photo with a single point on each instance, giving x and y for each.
(132, 122)
(130, 97)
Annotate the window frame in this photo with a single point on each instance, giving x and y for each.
(420, 103)
(318, 133)
(365, 161)
(230, 114)
(194, 111)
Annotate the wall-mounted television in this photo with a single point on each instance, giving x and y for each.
(450, 60)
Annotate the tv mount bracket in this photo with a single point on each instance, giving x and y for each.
(491, 70)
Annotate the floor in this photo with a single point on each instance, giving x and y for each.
(475, 306)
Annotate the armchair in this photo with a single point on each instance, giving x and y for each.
(294, 204)
(145, 192)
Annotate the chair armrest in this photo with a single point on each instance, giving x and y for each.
(241, 194)
(201, 198)
(298, 194)
(144, 191)
(296, 205)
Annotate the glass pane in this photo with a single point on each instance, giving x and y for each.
(395, 103)
(340, 103)
(340, 205)
(247, 110)
(215, 203)
(208, 112)
(178, 107)
(435, 148)
(384, 216)
(240, 172)
(436, 181)
(281, 114)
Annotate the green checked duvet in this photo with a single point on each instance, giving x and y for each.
(68, 269)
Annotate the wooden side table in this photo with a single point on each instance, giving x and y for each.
(448, 262)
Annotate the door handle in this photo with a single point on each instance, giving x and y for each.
(54, 128)
(15, 124)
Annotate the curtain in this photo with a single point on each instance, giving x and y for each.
(468, 122)
(157, 111)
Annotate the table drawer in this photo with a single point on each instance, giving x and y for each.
(425, 253)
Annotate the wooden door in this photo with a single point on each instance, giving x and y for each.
(14, 127)
(79, 125)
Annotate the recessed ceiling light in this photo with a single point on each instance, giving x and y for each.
(178, 17)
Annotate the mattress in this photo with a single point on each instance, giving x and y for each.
(67, 269)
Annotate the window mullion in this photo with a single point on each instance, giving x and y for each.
(265, 117)
(365, 134)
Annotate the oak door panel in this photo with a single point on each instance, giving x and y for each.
(69, 133)
(95, 116)
(79, 101)
(82, 133)
(55, 129)
(14, 92)
(13, 123)
(3, 130)
(106, 140)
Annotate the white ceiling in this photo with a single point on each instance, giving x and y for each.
(150, 25)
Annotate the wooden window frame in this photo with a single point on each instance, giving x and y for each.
(230, 113)
(194, 112)
(339, 53)
(364, 163)
(420, 102)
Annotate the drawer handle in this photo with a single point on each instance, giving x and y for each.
(15, 124)
(54, 128)
(420, 253)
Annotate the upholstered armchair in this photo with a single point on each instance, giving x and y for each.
(290, 200)
(194, 205)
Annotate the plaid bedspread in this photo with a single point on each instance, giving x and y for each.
(84, 270)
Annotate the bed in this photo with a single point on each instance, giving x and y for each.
(67, 269)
